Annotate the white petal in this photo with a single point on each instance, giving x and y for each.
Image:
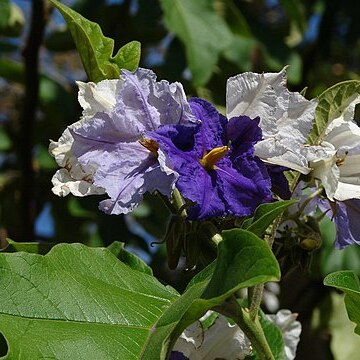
(98, 97)
(64, 184)
(221, 340)
(286, 118)
(291, 330)
(322, 160)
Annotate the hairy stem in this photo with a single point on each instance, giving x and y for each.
(251, 328)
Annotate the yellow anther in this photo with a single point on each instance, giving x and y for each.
(212, 157)
(151, 145)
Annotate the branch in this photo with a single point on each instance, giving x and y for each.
(27, 121)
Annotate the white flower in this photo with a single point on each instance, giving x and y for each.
(73, 177)
(286, 118)
(336, 161)
(291, 330)
(225, 341)
(220, 340)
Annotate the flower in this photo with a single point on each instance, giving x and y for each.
(74, 177)
(222, 340)
(290, 328)
(215, 161)
(336, 161)
(108, 141)
(345, 215)
(286, 118)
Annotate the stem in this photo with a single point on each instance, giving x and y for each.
(255, 300)
(178, 203)
(252, 329)
(307, 201)
(255, 293)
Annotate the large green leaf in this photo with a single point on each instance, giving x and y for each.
(265, 214)
(348, 282)
(30, 247)
(117, 248)
(85, 302)
(204, 34)
(103, 308)
(332, 103)
(96, 50)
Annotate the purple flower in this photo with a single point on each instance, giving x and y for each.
(111, 141)
(215, 161)
(346, 215)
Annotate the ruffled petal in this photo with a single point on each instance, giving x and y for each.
(286, 118)
(212, 132)
(242, 191)
(98, 97)
(64, 184)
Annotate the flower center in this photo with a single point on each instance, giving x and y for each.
(151, 145)
(212, 157)
(341, 156)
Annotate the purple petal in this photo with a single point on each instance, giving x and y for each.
(218, 192)
(243, 133)
(109, 141)
(177, 355)
(347, 223)
(243, 191)
(279, 183)
(144, 100)
(212, 130)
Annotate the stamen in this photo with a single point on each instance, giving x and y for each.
(151, 145)
(341, 156)
(212, 157)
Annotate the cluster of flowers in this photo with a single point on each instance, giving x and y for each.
(139, 135)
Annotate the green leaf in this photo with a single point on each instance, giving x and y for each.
(12, 19)
(103, 308)
(79, 296)
(265, 214)
(244, 260)
(332, 103)
(4, 13)
(29, 247)
(204, 34)
(117, 248)
(96, 50)
(295, 12)
(5, 141)
(274, 338)
(348, 282)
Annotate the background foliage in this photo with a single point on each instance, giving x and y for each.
(200, 43)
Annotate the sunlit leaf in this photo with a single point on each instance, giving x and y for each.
(265, 214)
(96, 50)
(348, 282)
(332, 103)
(104, 308)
